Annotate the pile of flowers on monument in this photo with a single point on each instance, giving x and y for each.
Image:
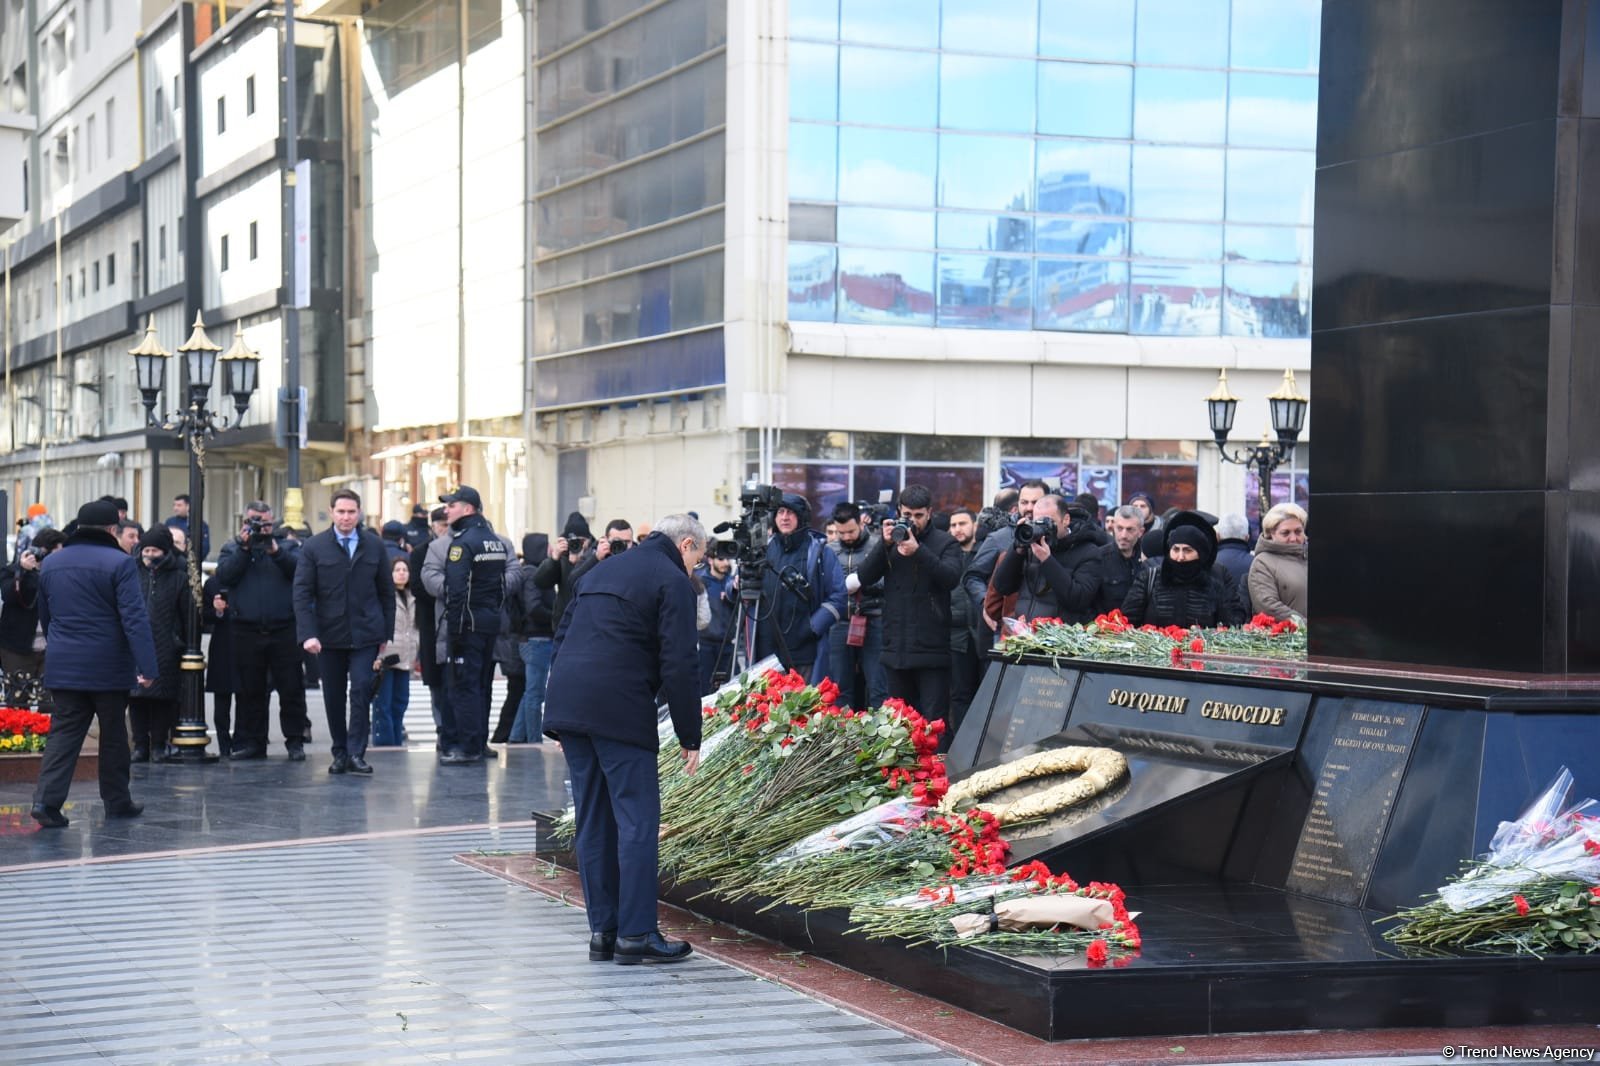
(22, 730)
(1536, 890)
(1112, 638)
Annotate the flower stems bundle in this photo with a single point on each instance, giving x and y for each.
(1112, 638)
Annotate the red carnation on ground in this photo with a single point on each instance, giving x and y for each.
(1097, 953)
(1522, 905)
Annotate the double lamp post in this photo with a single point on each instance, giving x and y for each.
(194, 423)
(1288, 419)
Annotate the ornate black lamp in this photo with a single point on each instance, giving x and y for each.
(194, 424)
(1288, 419)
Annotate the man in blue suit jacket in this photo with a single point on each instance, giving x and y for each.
(100, 647)
(627, 644)
(344, 615)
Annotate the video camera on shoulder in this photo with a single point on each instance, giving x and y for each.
(993, 518)
(260, 530)
(1042, 530)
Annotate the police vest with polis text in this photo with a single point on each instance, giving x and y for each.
(474, 576)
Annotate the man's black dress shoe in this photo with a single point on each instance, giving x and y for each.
(125, 810)
(297, 753)
(140, 753)
(341, 765)
(358, 765)
(49, 817)
(601, 946)
(247, 751)
(457, 757)
(652, 947)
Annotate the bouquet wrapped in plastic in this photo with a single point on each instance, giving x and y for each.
(1536, 889)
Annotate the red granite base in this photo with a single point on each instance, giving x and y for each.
(23, 768)
(983, 1041)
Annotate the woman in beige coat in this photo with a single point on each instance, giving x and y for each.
(1278, 573)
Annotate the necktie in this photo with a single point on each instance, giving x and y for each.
(349, 546)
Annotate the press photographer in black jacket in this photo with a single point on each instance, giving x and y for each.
(1053, 573)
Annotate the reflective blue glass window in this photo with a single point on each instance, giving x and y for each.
(1085, 99)
(1280, 34)
(1189, 33)
(1268, 186)
(1269, 244)
(985, 292)
(888, 88)
(813, 161)
(908, 23)
(1083, 178)
(986, 94)
(811, 282)
(1176, 299)
(988, 173)
(814, 82)
(1086, 29)
(876, 227)
(1266, 300)
(985, 233)
(985, 26)
(1176, 240)
(1180, 105)
(1084, 295)
(886, 287)
(1081, 236)
(1177, 182)
(887, 166)
(814, 18)
(1272, 110)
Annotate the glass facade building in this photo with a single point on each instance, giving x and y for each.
(1122, 166)
(631, 169)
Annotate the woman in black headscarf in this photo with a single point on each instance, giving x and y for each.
(1184, 589)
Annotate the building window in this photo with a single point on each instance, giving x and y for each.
(829, 467)
(58, 49)
(97, 275)
(108, 4)
(83, 282)
(111, 129)
(222, 114)
(224, 252)
(180, 234)
(160, 111)
(161, 243)
(1111, 470)
(250, 95)
(253, 247)
(89, 145)
(111, 267)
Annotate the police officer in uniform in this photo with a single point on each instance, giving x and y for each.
(472, 586)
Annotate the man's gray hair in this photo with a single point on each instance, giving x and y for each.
(1128, 514)
(677, 526)
(259, 507)
(1232, 526)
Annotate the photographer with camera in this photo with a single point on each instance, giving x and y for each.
(993, 546)
(802, 592)
(1052, 568)
(918, 566)
(858, 644)
(716, 574)
(257, 569)
(21, 644)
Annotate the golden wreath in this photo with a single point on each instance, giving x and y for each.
(1097, 769)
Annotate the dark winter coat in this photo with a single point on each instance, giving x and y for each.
(803, 622)
(165, 588)
(220, 670)
(721, 596)
(260, 584)
(538, 604)
(475, 576)
(1063, 586)
(94, 616)
(1233, 555)
(1116, 576)
(916, 600)
(1209, 602)
(627, 645)
(344, 602)
(425, 618)
(19, 617)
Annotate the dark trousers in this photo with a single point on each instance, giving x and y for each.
(265, 659)
(927, 689)
(616, 793)
(966, 671)
(516, 684)
(465, 724)
(846, 662)
(75, 709)
(222, 720)
(348, 671)
(152, 722)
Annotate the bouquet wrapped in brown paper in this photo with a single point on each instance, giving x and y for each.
(1037, 913)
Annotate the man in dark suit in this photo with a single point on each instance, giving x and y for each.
(344, 615)
(100, 647)
(632, 624)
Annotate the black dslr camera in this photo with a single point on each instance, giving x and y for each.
(896, 531)
(259, 529)
(1042, 530)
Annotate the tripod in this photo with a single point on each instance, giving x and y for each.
(738, 650)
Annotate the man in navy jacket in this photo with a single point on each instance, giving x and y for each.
(100, 647)
(627, 643)
(344, 615)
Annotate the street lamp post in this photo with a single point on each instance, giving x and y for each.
(1288, 419)
(194, 424)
